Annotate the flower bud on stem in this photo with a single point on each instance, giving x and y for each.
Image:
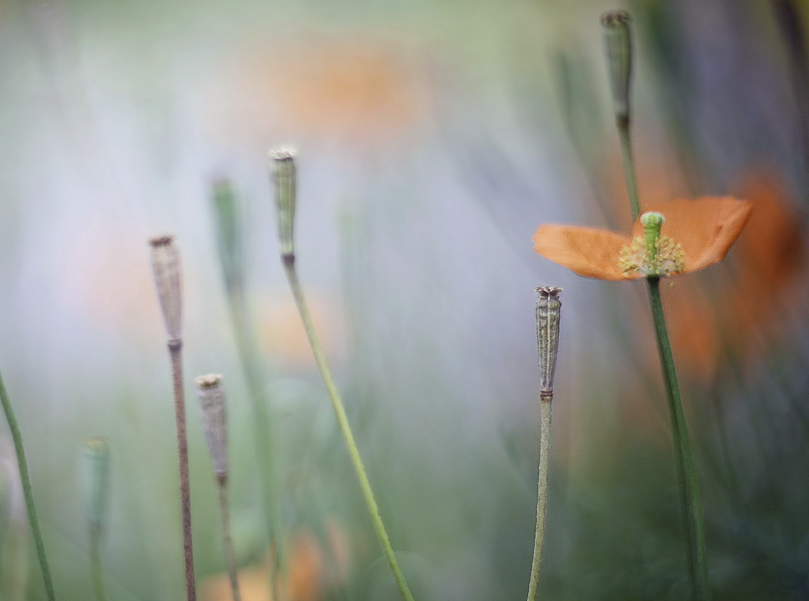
(214, 421)
(285, 178)
(548, 313)
(166, 268)
(619, 57)
(96, 475)
(618, 39)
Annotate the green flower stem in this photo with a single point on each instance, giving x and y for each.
(95, 563)
(686, 474)
(629, 170)
(27, 491)
(542, 491)
(227, 539)
(263, 432)
(345, 428)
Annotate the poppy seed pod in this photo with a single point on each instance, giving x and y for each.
(214, 421)
(284, 176)
(548, 313)
(166, 269)
(618, 39)
(95, 467)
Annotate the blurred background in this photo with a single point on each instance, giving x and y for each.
(434, 136)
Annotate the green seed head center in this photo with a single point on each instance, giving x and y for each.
(653, 255)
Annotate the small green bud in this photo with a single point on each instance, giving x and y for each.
(651, 222)
(284, 176)
(548, 312)
(618, 38)
(95, 459)
(166, 269)
(229, 232)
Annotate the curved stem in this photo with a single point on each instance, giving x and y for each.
(95, 563)
(686, 474)
(27, 491)
(345, 428)
(542, 491)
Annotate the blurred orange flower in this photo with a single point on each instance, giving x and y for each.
(281, 332)
(359, 91)
(771, 258)
(307, 577)
(700, 231)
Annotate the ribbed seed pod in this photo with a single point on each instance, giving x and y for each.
(95, 460)
(618, 38)
(166, 268)
(214, 421)
(548, 312)
(285, 178)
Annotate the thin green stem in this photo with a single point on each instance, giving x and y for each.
(345, 428)
(27, 491)
(227, 540)
(263, 431)
(629, 170)
(686, 474)
(95, 563)
(542, 491)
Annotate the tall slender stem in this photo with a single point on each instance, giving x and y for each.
(629, 171)
(95, 561)
(27, 491)
(686, 474)
(227, 540)
(542, 489)
(263, 431)
(175, 351)
(345, 428)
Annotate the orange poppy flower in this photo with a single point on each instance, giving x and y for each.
(694, 235)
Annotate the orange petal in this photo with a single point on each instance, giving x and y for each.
(586, 251)
(706, 227)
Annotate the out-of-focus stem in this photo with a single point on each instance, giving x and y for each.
(95, 561)
(629, 171)
(263, 431)
(345, 428)
(542, 489)
(227, 540)
(175, 351)
(27, 491)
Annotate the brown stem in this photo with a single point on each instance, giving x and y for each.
(175, 350)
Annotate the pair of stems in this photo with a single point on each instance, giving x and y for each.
(690, 503)
(345, 428)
